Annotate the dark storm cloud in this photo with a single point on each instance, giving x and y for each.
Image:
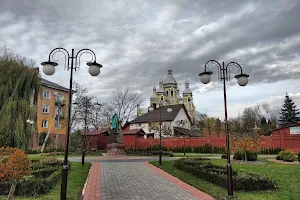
(134, 40)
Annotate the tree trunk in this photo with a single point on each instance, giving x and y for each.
(12, 191)
(245, 155)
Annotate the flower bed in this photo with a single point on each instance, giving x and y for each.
(215, 174)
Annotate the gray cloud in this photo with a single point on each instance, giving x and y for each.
(134, 40)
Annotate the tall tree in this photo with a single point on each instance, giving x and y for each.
(124, 103)
(200, 121)
(289, 113)
(218, 126)
(249, 120)
(19, 85)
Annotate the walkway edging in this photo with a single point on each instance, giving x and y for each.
(184, 186)
(91, 190)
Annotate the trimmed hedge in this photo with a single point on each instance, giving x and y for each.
(270, 150)
(217, 175)
(224, 156)
(251, 156)
(33, 185)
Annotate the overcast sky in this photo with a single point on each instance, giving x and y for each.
(134, 40)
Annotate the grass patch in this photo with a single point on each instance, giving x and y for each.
(286, 177)
(76, 179)
(196, 155)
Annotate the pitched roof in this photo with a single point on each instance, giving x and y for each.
(170, 79)
(154, 116)
(132, 131)
(91, 133)
(50, 84)
(184, 131)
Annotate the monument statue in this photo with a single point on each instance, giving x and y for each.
(115, 146)
(115, 135)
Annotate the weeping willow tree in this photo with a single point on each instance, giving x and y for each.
(18, 83)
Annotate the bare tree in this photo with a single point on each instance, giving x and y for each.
(165, 128)
(124, 102)
(272, 114)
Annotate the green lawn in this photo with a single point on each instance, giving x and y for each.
(76, 179)
(197, 155)
(287, 178)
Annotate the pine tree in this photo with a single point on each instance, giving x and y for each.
(289, 113)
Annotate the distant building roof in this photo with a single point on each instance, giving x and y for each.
(92, 133)
(154, 116)
(133, 131)
(50, 84)
(184, 131)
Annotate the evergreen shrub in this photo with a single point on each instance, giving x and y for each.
(287, 156)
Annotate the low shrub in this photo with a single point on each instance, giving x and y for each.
(224, 156)
(299, 157)
(51, 162)
(217, 175)
(251, 156)
(279, 158)
(40, 183)
(238, 156)
(287, 156)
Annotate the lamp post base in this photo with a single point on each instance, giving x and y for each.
(63, 190)
(160, 155)
(83, 156)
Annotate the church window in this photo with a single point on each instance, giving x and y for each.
(161, 98)
(189, 99)
(171, 93)
(167, 93)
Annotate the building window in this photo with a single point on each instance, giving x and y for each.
(167, 93)
(45, 108)
(46, 94)
(161, 98)
(44, 123)
(189, 99)
(171, 93)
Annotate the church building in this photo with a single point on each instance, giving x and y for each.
(168, 94)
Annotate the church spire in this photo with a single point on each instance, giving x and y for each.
(170, 68)
(187, 88)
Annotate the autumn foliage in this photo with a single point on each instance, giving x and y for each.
(14, 164)
(247, 142)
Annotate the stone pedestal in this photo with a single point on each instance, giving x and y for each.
(115, 149)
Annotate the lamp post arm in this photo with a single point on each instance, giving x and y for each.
(217, 64)
(83, 51)
(60, 49)
(227, 69)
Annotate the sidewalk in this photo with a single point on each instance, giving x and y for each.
(136, 181)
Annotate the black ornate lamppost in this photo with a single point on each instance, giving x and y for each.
(87, 103)
(169, 109)
(224, 75)
(49, 69)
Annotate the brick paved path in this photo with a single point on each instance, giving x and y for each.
(138, 181)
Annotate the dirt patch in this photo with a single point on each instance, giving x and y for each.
(280, 161)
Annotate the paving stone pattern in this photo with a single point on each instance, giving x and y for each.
(134, 181)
